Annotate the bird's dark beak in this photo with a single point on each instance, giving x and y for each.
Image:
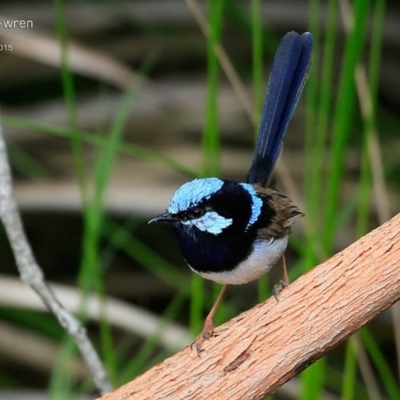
(166, 217)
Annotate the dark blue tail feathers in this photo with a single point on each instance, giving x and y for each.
(288, 76)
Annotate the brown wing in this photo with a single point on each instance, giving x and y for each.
(284, 213)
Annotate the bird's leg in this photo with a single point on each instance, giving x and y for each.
(284, 282)
(285, 276)
(208, 328)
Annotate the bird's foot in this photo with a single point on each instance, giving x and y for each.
(206, 334)
(278, 288)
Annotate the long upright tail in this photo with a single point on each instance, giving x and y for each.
(288, 76)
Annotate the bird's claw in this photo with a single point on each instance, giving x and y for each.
(284, 283)
(206, 334)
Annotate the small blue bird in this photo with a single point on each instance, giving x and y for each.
(232, 232)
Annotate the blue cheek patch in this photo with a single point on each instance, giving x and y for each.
(256, 203)
(192, 193)
(210, 222)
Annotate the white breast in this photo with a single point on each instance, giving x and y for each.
(264, 256)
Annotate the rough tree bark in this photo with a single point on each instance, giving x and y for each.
(261, 349)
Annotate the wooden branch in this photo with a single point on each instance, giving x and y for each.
(258, 351)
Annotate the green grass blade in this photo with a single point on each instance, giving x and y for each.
(70, 101)
(343, 116)
(350, 371)
(197, 303)
(320, 98)
(312, 381)
(210, 142)
(100, 141)
(25, 164)
(378, 359)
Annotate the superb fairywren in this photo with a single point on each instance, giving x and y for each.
(233, 232)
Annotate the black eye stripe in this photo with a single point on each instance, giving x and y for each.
(198, 212)
(193, 213)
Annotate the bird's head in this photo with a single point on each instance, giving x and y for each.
(213, 206)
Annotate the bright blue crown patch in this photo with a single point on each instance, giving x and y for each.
(192, 193)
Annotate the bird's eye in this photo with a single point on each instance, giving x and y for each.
(197, 212)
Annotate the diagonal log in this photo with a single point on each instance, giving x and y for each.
(259, 350)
